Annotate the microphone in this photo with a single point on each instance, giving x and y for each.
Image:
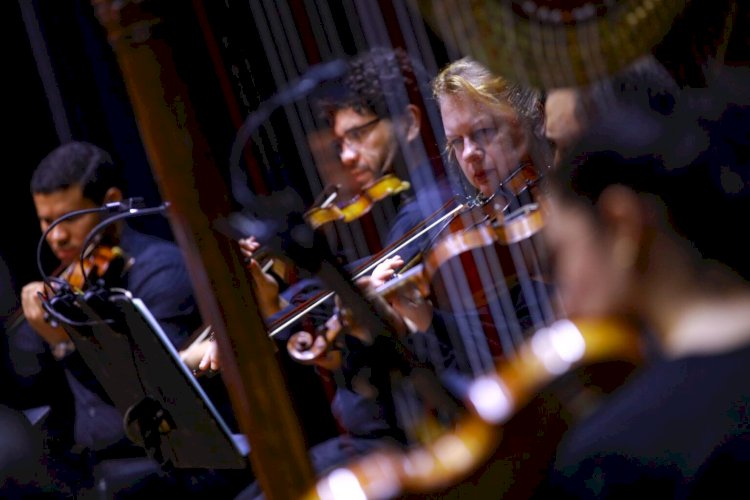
(61, 308)
(125, 205)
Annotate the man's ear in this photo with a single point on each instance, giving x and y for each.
(112, 195)
(413, 117)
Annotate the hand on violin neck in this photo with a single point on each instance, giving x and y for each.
(407, 301)
(248, 247)
(210, 359)
(385, 271)
(266, 287)
(266, 290)
(201, 356)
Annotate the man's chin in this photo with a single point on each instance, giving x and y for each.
(66, 258)
(363, 179)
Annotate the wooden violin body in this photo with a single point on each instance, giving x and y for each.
(503, 442)
(428, 277)
(507, 242)
(329, 211)
(106, 263)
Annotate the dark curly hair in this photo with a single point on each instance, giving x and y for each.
(382, 81)
(77, 163)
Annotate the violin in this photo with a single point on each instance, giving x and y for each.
(516, 227)
(356, 207)
(476, 223)
(105, 263)
(100, 265)
(326, 211)
(524, 178)
(309, 349)
(496, 446)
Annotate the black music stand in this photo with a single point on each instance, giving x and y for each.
(166, 410)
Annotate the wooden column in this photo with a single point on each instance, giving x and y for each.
(189, 179)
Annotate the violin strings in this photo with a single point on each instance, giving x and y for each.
(504, 315)
(282, 42)
(473, 342)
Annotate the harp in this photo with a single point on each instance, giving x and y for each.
(190, 173)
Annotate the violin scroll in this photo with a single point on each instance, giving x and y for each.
(309, 349)
(321, 348)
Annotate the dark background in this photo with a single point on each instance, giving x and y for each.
(220, 57)
(94, 105)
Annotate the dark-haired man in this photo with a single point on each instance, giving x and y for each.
(84, 426)
(378, 121)
(379, 124)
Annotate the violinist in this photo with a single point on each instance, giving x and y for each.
(493, 132)
(492, 127)
(84, 426)
(629, 240)
(378, 121)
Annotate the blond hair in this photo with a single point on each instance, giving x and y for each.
(468, 77)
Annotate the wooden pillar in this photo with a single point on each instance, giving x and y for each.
(189, 179)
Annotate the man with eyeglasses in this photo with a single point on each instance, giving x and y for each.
(377, 125)
(378, 128)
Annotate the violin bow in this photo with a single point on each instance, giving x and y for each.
(415, 233)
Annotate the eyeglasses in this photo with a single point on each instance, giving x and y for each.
(482, 137)
(354, 136)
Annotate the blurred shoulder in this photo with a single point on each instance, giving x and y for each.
(145, 246)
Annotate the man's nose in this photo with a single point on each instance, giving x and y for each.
(348, 154)
(59, 234)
